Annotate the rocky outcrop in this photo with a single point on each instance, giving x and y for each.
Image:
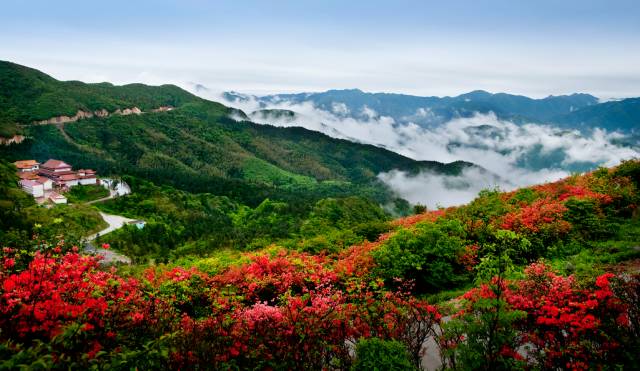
(98, 113)
(16, 139)
(127, 111)
(64, 119)
(101, 113)
(162, 109)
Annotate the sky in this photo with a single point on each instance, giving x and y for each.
(535, 48)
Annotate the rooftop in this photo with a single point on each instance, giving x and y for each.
(28, 175)
(55, 195)
(55, 164)
(26, 164)
(68, 177)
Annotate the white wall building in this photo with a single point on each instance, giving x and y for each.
(32, 187)
(47, 183)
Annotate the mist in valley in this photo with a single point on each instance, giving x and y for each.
(510, 154)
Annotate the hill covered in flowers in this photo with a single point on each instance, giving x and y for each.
(544, 277)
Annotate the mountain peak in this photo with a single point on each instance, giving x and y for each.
(476, 94)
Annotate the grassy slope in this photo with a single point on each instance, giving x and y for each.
(85, 193)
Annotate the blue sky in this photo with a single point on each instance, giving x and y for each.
(534, 48)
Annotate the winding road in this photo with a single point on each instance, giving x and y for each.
(109, 256)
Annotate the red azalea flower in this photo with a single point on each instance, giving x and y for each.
(9, 262)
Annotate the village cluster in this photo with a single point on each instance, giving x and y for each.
(45, 182)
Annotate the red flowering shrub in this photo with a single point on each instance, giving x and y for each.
(469, 258)
(357, 260)
(626, 288)
(482, 334)
(567, 325)
(582, 192)
(94, 310)
(543, 215)
(184, 290)
(308, 331)
(411, 220)
(289, 310)
(265, 278)
(564, 327)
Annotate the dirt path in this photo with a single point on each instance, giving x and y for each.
(80, 146)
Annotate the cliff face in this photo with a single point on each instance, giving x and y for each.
(16, 139)
(98, 113)
(80, 115)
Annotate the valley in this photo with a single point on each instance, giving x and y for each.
(520, 141)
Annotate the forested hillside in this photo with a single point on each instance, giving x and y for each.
(29, 95)
(195, 147)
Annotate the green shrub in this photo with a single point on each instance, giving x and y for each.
(377, 354)
(84, 193)
(586, 220)
(631, 169)
(429, 254)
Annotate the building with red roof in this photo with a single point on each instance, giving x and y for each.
(57, 198)
(47, 183)
(59, 172)
(55, 166)
(39, 179)
(27, 165)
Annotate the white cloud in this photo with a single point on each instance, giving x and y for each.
(435, 190)
(519, 155)
(369, 113)
(339, 108)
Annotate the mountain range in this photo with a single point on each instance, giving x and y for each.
(582, 111)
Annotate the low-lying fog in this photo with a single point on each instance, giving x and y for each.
(519, 154)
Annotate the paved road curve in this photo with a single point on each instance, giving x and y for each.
(109, 256)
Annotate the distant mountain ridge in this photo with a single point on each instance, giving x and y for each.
(428, 111)
(577, 110)
(623, 115)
